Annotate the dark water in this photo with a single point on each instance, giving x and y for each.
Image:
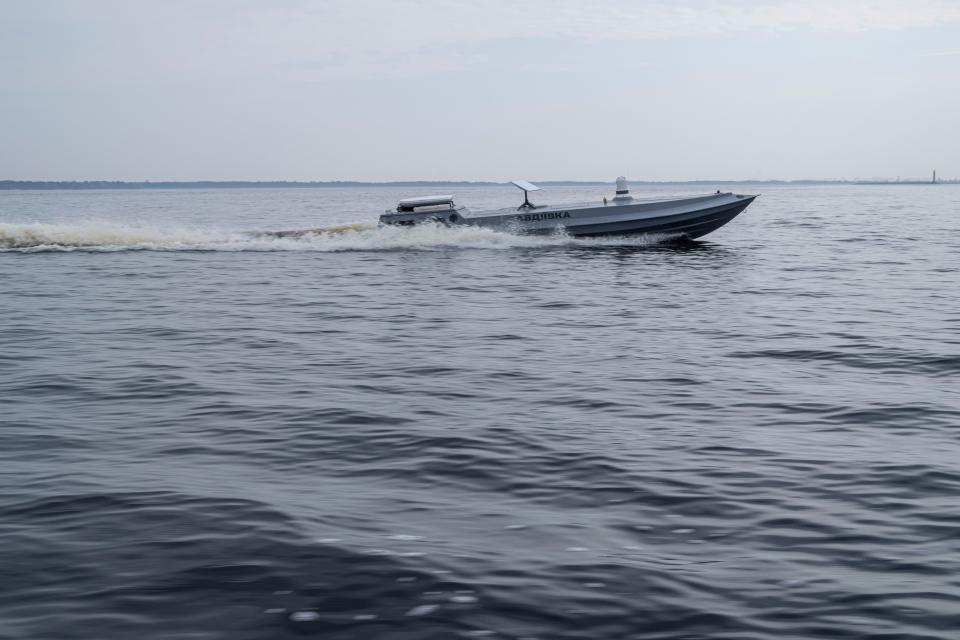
(454, 434)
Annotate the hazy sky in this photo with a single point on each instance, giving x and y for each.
(478, 89)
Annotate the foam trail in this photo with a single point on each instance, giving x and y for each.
(298, 233)
(97, 236)
(106, 237)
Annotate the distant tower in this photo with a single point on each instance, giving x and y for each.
(934, 176)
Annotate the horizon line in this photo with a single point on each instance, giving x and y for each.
(174, 184)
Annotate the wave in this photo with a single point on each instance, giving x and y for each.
(107, 237)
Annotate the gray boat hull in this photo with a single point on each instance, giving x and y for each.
(679, 218)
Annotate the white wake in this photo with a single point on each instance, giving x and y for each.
(106, 237)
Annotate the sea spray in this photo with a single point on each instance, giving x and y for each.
(109, 237)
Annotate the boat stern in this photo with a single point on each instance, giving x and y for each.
(424, 209)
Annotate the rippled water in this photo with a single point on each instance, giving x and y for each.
(438, 433)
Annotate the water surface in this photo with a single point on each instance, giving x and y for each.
(443, 433)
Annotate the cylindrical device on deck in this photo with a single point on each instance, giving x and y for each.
(623, 192)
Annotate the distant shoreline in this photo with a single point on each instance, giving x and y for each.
(41, 185)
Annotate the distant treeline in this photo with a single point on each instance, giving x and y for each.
(209, 184)
(241, 184)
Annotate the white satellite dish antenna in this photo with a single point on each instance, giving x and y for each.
(527, 188)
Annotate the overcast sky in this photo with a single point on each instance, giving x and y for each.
(478, 89)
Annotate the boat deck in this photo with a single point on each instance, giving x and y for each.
(594, 204)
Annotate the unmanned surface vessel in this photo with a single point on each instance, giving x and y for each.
(678, 218)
